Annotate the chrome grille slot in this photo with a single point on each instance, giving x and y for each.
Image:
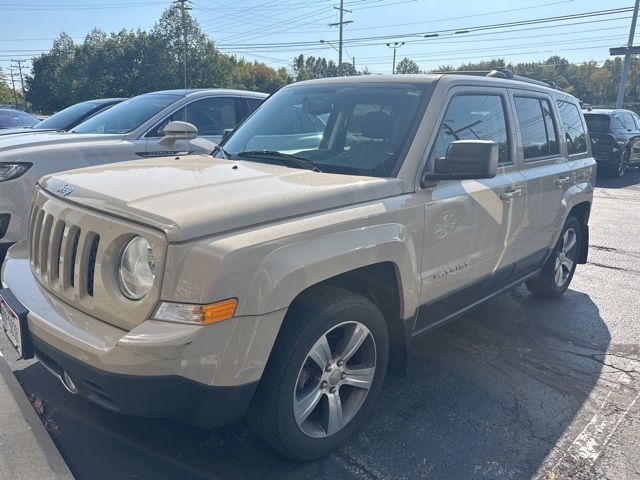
(73, 256)
(55, 250)
(45, 242)
(91, 266)
(37, 239)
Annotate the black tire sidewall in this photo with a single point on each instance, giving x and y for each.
(297, 444)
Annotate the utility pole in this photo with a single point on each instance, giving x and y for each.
(627, 51)
(395, 46)
(183, 13)
(341, 24)
(19, 67)
(13, 85)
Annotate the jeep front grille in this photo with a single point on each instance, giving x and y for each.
(73, 252)
(54, 246)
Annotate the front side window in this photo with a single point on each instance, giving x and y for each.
(211, 116)
(128, 115)
(575, 135)
(473, 117)
(539, 138)
(346, 128)
(619, 123)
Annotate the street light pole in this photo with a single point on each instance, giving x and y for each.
(395, 46)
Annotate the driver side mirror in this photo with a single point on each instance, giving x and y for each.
(225, 133)
(177, 130)
(465, 160)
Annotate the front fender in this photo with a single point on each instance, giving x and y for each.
(287, 271)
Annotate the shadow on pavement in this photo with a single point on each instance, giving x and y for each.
(631, 177)
(487, 396)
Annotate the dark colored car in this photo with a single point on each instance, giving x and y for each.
(615, 139)
(68, 118)
(12, 118)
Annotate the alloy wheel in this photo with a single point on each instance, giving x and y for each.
(566, 257)
(334, 380)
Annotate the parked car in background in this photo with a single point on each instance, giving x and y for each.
(11, 118)
(149, 125)
(68, 118)
(615, 139)
(281, 278)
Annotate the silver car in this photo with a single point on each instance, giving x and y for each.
(141, 127)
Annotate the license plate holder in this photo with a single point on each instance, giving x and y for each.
(14, 323)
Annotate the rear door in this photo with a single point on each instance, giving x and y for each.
(546, 172)
(470, 225)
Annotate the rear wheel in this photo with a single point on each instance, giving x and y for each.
(324, 374)
(557, 272)
(619, 168)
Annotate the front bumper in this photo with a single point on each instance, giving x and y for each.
(145, 396)
(158, 368)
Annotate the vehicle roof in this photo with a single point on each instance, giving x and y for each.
(429, 78)
(105, 100)
(605, 111)
(197, 92)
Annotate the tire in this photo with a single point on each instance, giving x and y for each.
(619, 169)
(549, 283)
(279, 412)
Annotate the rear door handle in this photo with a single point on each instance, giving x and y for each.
(511, 194)
(562, 181)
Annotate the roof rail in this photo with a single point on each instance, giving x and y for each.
(501, 72)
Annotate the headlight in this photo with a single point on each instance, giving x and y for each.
(136, 269)
(9, 171)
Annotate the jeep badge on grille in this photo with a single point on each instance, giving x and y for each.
(65, 190)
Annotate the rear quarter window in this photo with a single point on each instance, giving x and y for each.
(573, 129)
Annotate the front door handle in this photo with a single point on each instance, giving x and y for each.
(562, 181)
(511, 194)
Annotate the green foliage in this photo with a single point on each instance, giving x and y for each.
(406, 65)
(6, 92)
(318, 67)
(593, 84)
(128, 63)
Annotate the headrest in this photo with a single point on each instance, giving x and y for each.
(377, 125)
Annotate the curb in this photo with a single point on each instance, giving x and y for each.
(43, 460)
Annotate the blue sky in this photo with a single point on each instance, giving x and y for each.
(263, 29)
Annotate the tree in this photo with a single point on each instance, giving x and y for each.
(319, 67)
(406, 65)
(6, 92)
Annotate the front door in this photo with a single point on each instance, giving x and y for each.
(470, 225)
(210, 115)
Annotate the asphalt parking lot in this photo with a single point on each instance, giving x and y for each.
(516, 389)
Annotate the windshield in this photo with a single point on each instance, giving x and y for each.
(350, 128)
(67, 118)
(15, 118)
(597, 123)
(128, 115)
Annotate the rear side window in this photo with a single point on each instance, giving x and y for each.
(573, 130)
(539, 138)
(474, 117)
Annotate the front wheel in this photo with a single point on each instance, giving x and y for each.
(325, 372)
(619, 168)
(557, 272)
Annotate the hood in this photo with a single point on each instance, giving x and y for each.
(32, 140)
(198, 195)
(15, 131)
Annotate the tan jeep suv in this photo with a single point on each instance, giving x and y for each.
(280, 278)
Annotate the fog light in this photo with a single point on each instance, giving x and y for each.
(196, 314)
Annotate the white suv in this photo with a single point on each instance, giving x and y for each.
(138, 127)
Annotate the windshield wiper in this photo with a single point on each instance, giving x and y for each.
(225, 154)
(285, 158)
